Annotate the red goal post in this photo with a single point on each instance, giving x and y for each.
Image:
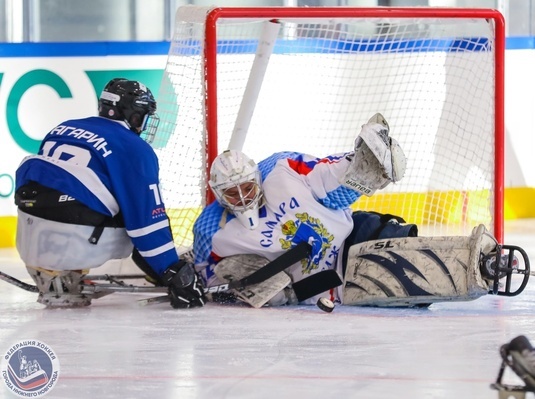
(306, 78)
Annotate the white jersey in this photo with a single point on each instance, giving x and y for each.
(304, 201)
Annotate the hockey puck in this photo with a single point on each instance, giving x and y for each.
(325, 304)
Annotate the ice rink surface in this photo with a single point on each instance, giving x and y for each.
(118, 349)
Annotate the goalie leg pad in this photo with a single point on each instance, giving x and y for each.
(416, 271)
(59, 288)
(237, 267)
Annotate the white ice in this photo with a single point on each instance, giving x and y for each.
(118, 349)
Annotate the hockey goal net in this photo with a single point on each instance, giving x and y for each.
(306, 79)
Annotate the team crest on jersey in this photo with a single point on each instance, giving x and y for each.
(302, 229)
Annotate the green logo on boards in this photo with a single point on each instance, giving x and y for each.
(26, 81)
(151, 78)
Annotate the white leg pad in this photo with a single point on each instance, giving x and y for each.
(416, 271)
(237, 267)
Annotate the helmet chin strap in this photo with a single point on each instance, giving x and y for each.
(223, 220)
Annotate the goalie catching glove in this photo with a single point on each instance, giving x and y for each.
(185, 287)
(378, 159)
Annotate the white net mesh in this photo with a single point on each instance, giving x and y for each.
(432, 78)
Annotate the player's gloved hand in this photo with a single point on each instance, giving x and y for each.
(185, 287)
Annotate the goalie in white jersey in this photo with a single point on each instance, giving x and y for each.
(288, 198)
(264, 211)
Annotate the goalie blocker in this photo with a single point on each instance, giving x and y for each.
(418, 271)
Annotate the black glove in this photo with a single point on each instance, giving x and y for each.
(185, 287)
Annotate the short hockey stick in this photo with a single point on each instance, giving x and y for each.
(111, 288)
(16, 282)
(116, 285)
(287, 259)
(113, 277)
(316, 284)
(304, 289)
(284, 261)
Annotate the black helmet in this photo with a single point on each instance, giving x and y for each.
(128, 101)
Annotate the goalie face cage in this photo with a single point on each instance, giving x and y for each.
(436, 74)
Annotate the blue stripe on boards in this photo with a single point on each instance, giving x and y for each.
(96, 49)
(82, 49)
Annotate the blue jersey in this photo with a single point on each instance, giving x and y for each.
(110, 169)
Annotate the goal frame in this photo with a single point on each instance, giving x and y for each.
(210, 69)
(271, 79)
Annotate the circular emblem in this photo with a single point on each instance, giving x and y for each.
(30, 368)
(7, 185)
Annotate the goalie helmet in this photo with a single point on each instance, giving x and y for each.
(236, 183)
(131, 102)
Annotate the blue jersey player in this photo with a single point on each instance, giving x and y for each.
(92, 194)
